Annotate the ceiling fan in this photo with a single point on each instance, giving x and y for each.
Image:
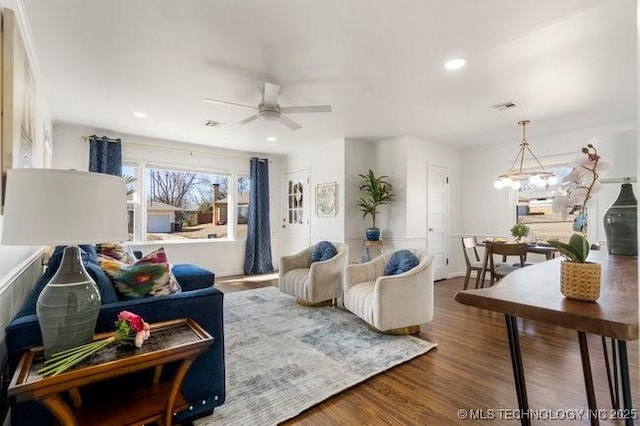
(269, 109)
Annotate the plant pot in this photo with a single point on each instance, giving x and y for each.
(580, 281)
(372, 234)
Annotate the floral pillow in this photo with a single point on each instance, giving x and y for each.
(118, 251)
(148, 277)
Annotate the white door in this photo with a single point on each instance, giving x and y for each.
(437, 215)
(295, 219)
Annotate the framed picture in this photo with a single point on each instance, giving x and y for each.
(327, 199)
(18, 130)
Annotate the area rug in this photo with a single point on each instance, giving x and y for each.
(282, 358)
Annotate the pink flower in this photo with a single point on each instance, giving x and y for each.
(140, 338)
(592, 162)
(135, 321)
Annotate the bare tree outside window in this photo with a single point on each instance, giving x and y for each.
(185, 205)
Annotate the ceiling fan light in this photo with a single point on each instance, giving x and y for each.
(455, 64)
(268, 115)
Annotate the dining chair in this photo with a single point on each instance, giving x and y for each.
(500, 270)
(472, 259)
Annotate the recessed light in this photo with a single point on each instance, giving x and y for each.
(455, 64)
(271, 139)
(139, 114)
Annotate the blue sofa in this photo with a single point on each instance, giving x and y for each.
(204, 385)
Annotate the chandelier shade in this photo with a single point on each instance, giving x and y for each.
(517, 174)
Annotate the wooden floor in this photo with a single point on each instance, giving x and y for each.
(470, 370)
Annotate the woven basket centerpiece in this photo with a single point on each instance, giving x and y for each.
(580, 281)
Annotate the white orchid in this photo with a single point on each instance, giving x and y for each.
(580, 183)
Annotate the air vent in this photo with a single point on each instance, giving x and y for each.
(213, 123)
(505, 105)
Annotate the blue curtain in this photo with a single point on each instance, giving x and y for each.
(105, 155)
(257, 258)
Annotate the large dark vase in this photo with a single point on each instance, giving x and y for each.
(372, 234)
(621, 223)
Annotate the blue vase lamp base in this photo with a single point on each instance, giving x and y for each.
(68, 306)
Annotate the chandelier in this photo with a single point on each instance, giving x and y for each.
(516, 175)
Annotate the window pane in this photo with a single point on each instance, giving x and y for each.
(129, 172)
(243, 205)
(534, 210)
(185, 205)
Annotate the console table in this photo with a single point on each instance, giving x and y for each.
(534, 293)
(172, 341)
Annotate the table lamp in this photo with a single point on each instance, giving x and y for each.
(65, 207)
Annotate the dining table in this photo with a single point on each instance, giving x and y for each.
(538, 247)
(533, 293)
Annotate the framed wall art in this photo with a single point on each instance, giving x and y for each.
(327, 199)
(18, 102)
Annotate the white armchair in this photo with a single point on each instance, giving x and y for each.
(394, 304)
(313, 284)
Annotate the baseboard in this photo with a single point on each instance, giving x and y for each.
(455, 275)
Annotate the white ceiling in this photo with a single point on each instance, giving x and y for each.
(570, 63)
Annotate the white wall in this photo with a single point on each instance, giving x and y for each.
(20, 267)
(326, 163)
(11, 257)
(489, 211)
(224, 257)
(403, 224)
(358, 160)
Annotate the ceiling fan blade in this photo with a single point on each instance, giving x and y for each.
(271, 93)
(246, 120)
(310, 108)
(289, 123)
(217, 101)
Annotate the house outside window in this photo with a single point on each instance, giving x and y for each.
(180, 204)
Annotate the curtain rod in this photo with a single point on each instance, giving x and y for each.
(166, 148)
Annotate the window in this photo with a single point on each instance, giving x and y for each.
(242, 201)
(185, 204)
(178, 203)
(534, 210)
(130, 173)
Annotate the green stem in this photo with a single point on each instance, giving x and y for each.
(593, 181)
(74, 356)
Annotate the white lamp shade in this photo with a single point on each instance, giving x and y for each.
(62, 207)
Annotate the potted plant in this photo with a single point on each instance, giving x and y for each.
(579, 279)
(519, 231)
(377, 192)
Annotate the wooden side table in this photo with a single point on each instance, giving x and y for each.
(372, 249)
(178, 340)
